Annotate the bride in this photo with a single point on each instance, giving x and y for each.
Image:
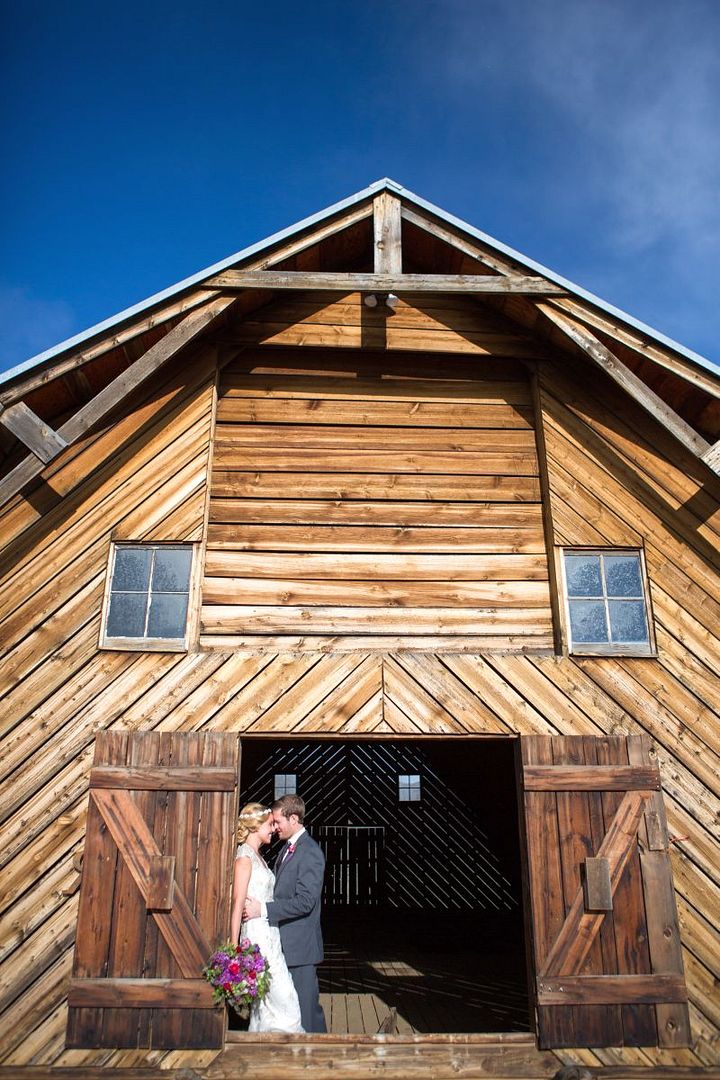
(279, 1010)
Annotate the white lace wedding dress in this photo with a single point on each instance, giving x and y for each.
(280, 1009)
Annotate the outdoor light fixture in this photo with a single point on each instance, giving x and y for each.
(372, 300)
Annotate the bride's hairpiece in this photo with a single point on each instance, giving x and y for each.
(255, 813)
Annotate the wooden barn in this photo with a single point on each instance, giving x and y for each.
(380, 511)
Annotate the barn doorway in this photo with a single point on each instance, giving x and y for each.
(422, 907)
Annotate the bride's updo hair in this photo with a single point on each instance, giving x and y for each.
(251, 818)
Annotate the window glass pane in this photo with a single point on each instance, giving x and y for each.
(587, 621)
(126, 615)
(132, 569)
(583, 575)
(622, 575)
(285, 784)
(171, 572)
(627, 620)
(409, 788)
(168, 615)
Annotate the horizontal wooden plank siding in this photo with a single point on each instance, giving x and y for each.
(317, 519)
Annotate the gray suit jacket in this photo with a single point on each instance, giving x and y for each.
(296, 904)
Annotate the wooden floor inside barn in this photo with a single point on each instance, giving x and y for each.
(442, 973)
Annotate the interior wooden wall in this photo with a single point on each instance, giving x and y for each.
(144, 476)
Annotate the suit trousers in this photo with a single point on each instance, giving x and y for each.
(306, 983)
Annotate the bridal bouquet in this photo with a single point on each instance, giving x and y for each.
(238, 974)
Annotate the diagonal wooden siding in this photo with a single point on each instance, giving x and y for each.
(613, 479)
(342, 694)
(141, 476)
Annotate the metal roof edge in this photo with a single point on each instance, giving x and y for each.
(194, 279)
(689, 354)
(321, 215)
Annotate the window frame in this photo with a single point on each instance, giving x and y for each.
(409, 788)
(153, 644)
(609, 648)
(278, 794)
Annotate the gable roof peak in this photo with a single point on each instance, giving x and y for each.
(383, 184)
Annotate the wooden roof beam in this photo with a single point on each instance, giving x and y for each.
(120, 334)
(192, 325)
(438, 231)
(711, 457)
(631, 339)
(387, 234)
(39, 437)
(629, 381)
(469, 284)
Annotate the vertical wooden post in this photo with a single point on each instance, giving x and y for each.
(387, 230)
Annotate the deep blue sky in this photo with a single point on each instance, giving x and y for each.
(142, 142)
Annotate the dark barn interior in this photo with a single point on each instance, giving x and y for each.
(423, 899)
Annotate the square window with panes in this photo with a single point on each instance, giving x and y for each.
(409, 787)
(606, 601)
(285, 784)
(148, 595)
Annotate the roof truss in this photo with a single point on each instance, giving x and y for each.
(620, 373)
(467, 284)
(226, 285)
(110, 396)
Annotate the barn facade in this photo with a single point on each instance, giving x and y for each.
(381, 511)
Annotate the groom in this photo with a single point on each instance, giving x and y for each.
(295, 907)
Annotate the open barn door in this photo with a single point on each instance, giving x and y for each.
(154, 898)
(606, 945)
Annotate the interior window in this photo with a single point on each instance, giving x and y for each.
(285, 784)
(408, 787)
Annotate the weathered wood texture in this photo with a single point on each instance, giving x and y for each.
(142, 476)
(605, 969)
(431, 323)
(139, 943)
(615, 478)
(456, 548)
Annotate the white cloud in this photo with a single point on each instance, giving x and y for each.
(637, 83)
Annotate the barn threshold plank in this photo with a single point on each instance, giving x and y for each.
(389, 1056)
(268, 1063)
